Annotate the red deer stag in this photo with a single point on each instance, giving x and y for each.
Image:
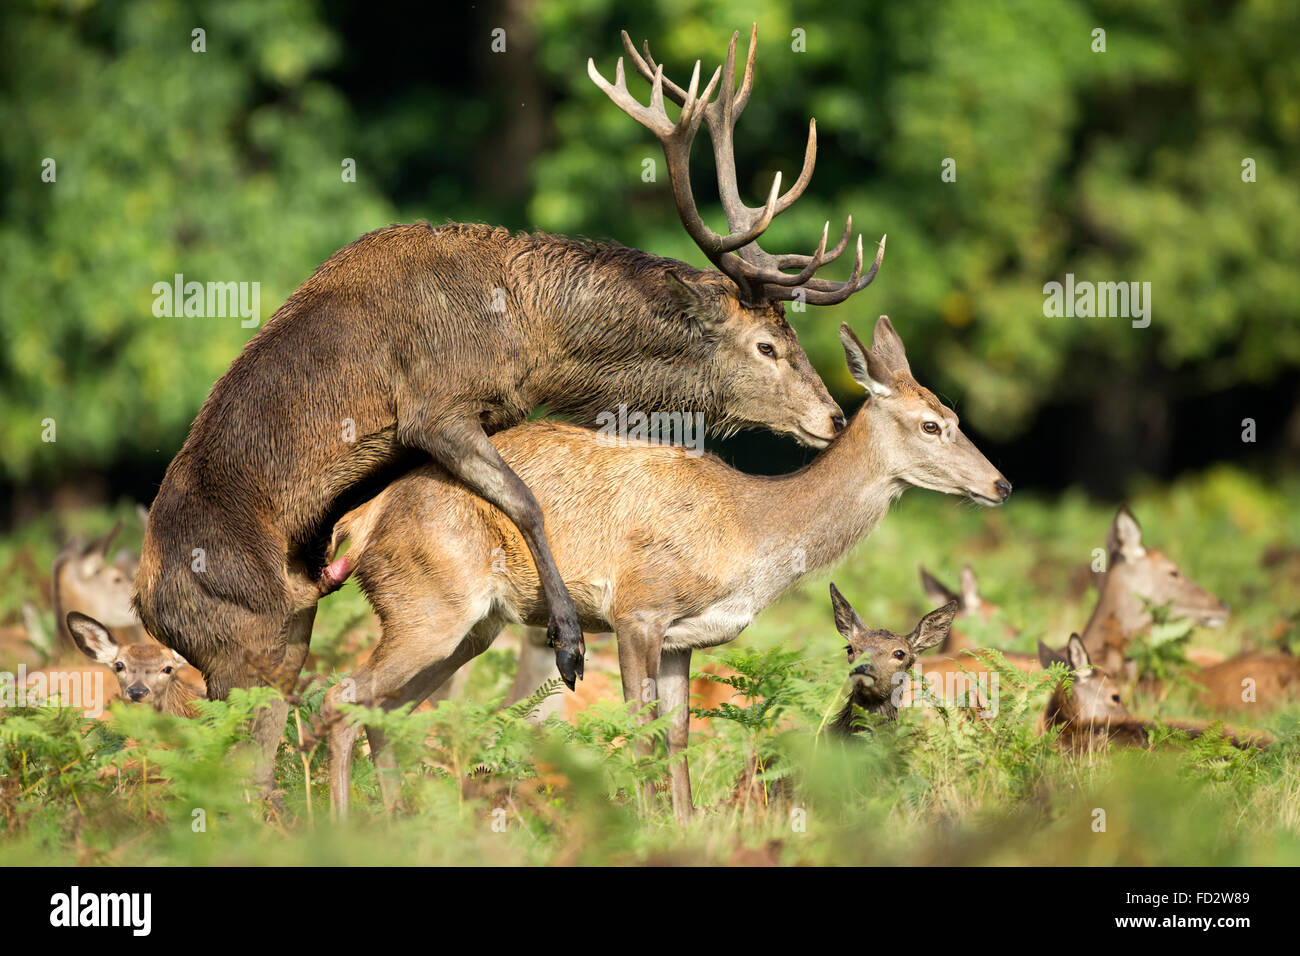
(418, 342)
(671, 552)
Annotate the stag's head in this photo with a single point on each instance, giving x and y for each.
(764, 377)
(915, 433)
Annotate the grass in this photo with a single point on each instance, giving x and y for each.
(482, 784)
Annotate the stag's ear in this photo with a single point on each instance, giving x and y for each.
(92, 638)
(847, 621)
(935, 589)
(697, 303)
(867, 368)
(1125, 536)
(1076, 655)
(886, 344)
(933, 628)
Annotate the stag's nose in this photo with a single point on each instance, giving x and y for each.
(1003, 488)
(838, 423)
(137, 692)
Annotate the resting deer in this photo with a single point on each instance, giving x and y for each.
(86, 580)
(882, 659)
(418, 342)
(970, 603)
(1136, 578)
(1250, 681)
(1091, 713)
(146, 672)
(672, 552)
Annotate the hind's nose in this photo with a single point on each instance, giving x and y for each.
(838, 423)
(137, 692)
(1003, 488)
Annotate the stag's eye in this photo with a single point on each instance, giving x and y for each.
(765, 348)
(930, 428)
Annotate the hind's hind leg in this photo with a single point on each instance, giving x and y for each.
(424, 686)
(412, 659)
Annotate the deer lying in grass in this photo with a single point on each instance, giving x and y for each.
(1136, 579)
(1254, 680)
(1091, 712)
(146, 671)
(970, 603)
(671, 552)
(882, 659)
(87, 581)
(445, 336)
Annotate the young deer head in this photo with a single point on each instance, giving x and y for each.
(917, 436)
(1093, 697)
(762, 367)
(970, 603)
(1138, 578)
(879, 657)
(146, 672)
(86, 580)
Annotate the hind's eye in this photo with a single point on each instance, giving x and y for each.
(930, 428)
(765, 348)
(1115, 698)
(119, 667)
(167, 670)
(899, 655)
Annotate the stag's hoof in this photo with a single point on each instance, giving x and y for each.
(568, 655)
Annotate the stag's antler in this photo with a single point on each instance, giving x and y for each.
(758, 273)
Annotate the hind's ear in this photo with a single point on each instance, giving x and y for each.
(847, 621)
(92, 638)
(1125, 536)
(935, 590)
(1076, 655)
(177, 660)
(886, 344)
(867, 368)
(933, 628)
(970, 588)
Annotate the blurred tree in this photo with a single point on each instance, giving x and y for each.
(1122, 165)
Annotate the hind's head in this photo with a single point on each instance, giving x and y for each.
(144, 671)
(917, 435)
(878, 656)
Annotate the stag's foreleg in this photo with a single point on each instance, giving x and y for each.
(463, 449)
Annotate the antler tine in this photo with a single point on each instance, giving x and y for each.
(747, 82)
(805, 174)
(838, 292)
(775, 277)
(758, 226)
(799, 260)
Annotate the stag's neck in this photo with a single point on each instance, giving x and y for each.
(611, 336)
(810, 519)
